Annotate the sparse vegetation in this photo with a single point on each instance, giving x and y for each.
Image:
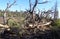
(30, 25)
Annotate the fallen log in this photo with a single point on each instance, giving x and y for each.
(48, 23)
(5, 26)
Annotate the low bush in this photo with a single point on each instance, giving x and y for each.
(11, 23)
(57, 23)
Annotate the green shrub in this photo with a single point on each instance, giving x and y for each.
(1, 14)
(12, 23)
(57, 23)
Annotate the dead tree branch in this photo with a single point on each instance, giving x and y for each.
(32, 7)
(36, 2)
(43, 2)
(8, 6)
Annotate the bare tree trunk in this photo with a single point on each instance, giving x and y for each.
(5, 14)
(5, 18)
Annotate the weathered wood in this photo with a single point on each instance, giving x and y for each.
(48, 23)
(4, 26)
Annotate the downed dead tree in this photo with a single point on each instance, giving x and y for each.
(37, 22)
(41, 26)
(33, 20)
